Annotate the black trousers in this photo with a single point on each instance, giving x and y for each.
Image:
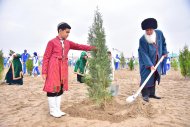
(80, 78)
(55, 94)
(149, 91)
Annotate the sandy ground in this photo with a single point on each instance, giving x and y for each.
(26, 105)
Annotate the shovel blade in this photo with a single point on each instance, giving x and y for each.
(114, 89)
(130, 99)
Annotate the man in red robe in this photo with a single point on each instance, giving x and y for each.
(55, 67)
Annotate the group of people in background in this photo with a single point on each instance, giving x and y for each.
(15, 73)
(18, 62)
(17, 66)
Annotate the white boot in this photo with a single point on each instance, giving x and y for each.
(53, 107)
(58, 102)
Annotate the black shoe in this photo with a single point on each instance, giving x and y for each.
(155, 97)
(146, 99)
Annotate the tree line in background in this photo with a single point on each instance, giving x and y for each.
(130, 62)
(183, 62)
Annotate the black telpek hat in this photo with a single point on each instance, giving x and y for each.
(149, 23)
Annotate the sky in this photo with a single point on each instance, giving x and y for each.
(30, 24)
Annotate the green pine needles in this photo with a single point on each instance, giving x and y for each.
(184, 60)
(29, 66)
(122, 60)
(174, 64)
(98, 79)
(131, 64)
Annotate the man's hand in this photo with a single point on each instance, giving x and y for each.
(152, 68)
(165, 55)
(94, 49)
(44, 76)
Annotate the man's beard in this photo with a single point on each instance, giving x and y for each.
(151, 39)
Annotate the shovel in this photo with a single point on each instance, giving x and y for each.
(114, 89)
(133, 97)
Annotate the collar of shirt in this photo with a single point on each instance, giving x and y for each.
(62, 43)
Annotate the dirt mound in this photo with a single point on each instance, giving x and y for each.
(113, 112)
